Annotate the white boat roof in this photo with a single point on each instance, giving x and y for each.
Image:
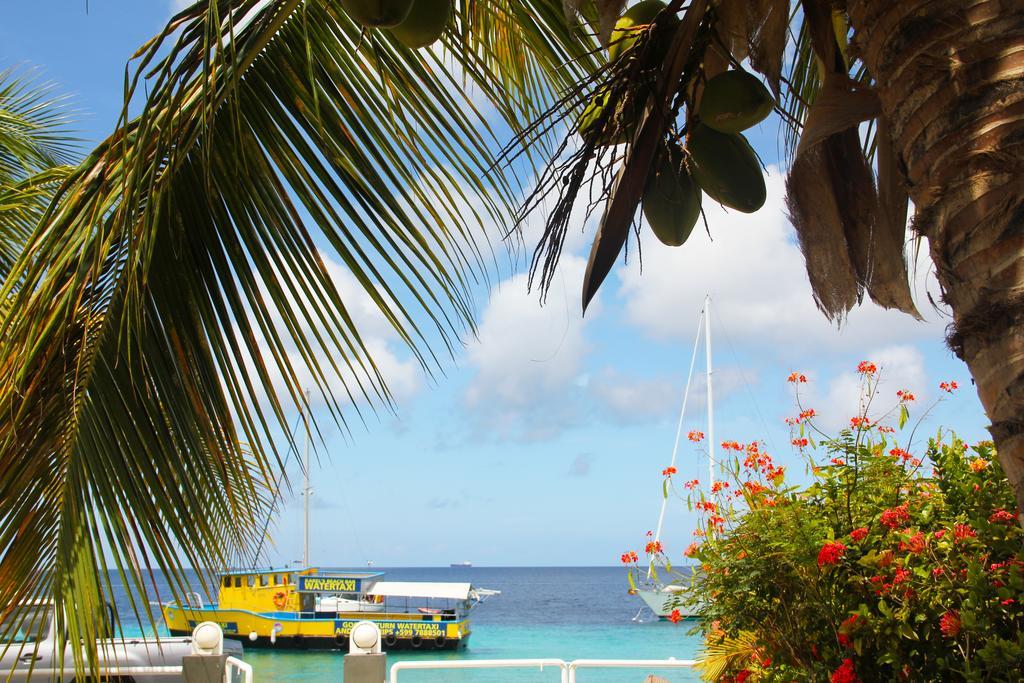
(421, 589)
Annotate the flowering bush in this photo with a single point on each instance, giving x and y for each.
(876, 570)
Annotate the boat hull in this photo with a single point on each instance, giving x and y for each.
(320, 643)
(656, 602)
(296, 632)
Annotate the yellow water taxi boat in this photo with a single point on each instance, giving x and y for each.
(310, 609)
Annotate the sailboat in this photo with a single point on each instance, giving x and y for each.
(661, 597)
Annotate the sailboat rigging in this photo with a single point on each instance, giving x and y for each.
(659, 596)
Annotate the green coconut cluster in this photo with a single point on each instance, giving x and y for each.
(716, 159)
(414, 23)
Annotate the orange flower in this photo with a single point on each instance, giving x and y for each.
(800, 443)
(691, 549)
(948, 387)
(905, 396)
(979, 464)
(695, 436)
(859, 423)
(668, 471)
(675, 616)
(796, 377)
(807, 414)
(653, 548)
(718, 486)
(867, 368)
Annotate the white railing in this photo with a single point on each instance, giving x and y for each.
(567, 669)
(670, 663)
(483, 664)
(233, 665)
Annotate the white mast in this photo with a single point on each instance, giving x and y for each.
(306, 490)
(711, 404)
(679, 426)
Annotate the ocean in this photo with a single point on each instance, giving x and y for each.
(564, 613)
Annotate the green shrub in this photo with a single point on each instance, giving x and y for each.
(887, 566)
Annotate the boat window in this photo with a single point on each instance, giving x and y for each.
(238, 582)
(287, 579)
(250, 580)
(263, 579)
(227, 582)
(25, 625)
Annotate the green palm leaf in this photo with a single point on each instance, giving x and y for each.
(177, 287)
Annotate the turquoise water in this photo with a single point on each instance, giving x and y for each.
(562, 613)
(654, 640)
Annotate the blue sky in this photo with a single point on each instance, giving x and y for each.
(544, 441)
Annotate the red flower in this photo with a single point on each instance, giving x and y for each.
(948, 387)
(800, 443)
(886, 430)
(668, 471)
(900, 453)
(675, 616)
(807, 414)
(718, 486)
(915, 544)
(867, 368)
(742, 676)
(653, 547)
(905, 396)
(839, 462)
(796, 377)
(859, 423)
(1007, 602)
(963, 531)
(895, 517)
(692, 484)
(940, 533)
(691, 549)
(1002, 517)
(949, 624)
(831, 553)
(732, 446)
(859, 534)
(845, 673)
(629, 557)
(695, 436)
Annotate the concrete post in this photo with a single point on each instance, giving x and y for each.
(203, 668)
(207, 663)
(365, 662)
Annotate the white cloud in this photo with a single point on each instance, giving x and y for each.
(626, 399)
(755, 273)
(528, 357)
(901, 367)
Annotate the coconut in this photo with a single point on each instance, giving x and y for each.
(425, 23)
(630, 24)
(671, 202)
(734, 101)
(587, 125)
(727, 168)
(377, 13)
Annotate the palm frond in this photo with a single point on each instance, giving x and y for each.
(178, 287)
(729, 652)
(34, 126)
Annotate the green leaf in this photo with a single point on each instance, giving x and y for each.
(904, 415)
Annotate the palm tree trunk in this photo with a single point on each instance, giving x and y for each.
(950, 75)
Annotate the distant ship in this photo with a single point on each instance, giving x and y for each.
(462, 564)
